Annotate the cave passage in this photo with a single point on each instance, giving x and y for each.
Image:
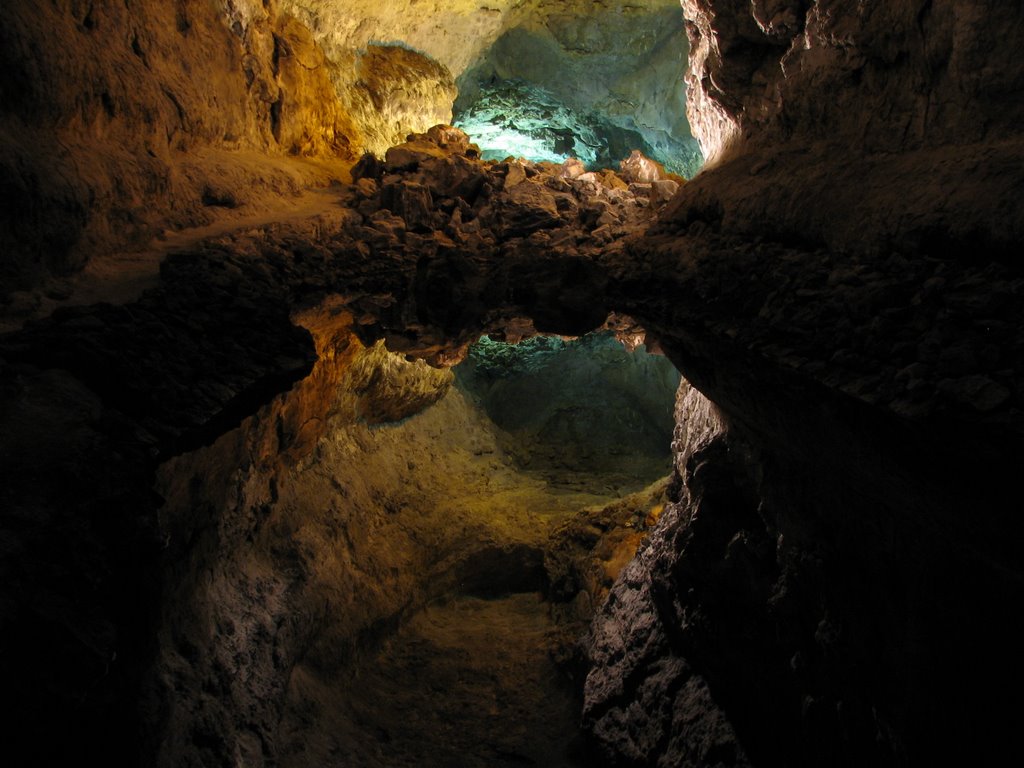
(514, 118)
(581, 413)
(483, 531)
(593, 88)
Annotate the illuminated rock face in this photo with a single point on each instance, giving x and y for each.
(587, 406)
(452, 32)
(616, 70)
(619, 65)
(124, 122)
(796, 70)
(840, 140)
(396, 92)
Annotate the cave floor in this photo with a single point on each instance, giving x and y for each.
(466, 682)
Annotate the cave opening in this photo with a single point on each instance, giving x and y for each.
(454, 548)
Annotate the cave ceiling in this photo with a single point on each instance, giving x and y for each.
(618, 66)
(454, 32)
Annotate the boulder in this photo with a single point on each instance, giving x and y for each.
(409, 155)
(529, 207)
(412, 202)
(662, 191)
(639, 167)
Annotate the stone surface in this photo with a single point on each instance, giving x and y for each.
(108, 110)
(212, 388)
(606, 77)
(835, 578)
(394, 91)
(638, 168)
(587, 406)
(892, 78)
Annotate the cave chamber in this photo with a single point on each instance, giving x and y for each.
(332, 435)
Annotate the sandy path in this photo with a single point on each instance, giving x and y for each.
(121, 277)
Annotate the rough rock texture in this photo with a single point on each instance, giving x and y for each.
(851, 252)
(618, 65)
(121, 122)
(312, 565)
(587, 407)
(837, 579)
(452, 32)
(186, 384)
(115, 117)
(396, 92)
(882, 77)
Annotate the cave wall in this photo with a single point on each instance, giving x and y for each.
(841, 284)
(586, 405)
(620, 65)
(886, 77)
(154, 540)
(122, 122)
(833, 585)
(452, 32)
(113, 115)
(888, 127)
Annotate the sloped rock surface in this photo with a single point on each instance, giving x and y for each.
(890, 78)
(104, 105)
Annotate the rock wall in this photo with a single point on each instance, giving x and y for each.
(396, 91)
(837, 580)
(848, 247)
(109, 111)
(177, 618)
(869, 130)
(452, 32)
(620, 65)
(886, 77)
(586, 406)
(122, 122)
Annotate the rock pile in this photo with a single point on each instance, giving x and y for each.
(436, 183)
(432, 202)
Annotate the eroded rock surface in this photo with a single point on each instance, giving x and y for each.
(828, 186)
(121, 120)
(836, 579)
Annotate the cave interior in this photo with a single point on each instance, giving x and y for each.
(601, 383)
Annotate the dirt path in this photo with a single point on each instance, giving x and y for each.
(121, 277)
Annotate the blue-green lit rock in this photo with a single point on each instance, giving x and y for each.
(592, 86)
(517, 119)
(583, 405)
